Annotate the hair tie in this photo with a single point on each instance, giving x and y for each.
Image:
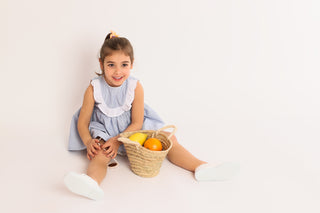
(113, 34)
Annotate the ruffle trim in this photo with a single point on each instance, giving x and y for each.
(114, 112)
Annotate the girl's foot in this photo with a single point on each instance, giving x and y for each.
(209, 172)
(84, 185)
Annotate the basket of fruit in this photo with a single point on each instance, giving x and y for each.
(146, 149)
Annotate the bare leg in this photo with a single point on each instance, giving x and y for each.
(97, 168)
(181, 157)
(88, 185)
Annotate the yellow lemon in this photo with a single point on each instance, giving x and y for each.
(139, 137)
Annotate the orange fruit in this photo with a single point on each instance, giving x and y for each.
(153, 144)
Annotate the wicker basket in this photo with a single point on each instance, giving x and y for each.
(145, 162)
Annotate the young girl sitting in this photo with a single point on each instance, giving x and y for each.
(114, 103)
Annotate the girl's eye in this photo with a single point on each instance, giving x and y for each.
(110, 65)
(125, 65)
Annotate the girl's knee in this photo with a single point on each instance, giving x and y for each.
(101, 156)
(173, 138)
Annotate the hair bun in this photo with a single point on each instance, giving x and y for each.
(111, 35)
(108, 36)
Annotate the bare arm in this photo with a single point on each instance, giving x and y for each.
(85, 115)
(83, 124)
(137, 111)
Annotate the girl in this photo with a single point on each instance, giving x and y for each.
(114, 103)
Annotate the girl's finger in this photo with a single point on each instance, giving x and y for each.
(94, 151)
(106, 145)
(88, 156)
(114, 156)
(111, 154)
(90, 153)
(97, 146)
(92, 156)
(108, 151)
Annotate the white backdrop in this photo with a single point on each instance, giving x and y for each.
(240, 79)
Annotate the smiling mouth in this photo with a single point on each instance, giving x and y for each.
(117, 78)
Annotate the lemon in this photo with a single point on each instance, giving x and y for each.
(139, 137)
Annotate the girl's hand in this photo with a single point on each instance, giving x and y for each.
(111, 147)
(92, 148)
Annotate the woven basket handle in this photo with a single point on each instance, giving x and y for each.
(168, 127)
(127, 140)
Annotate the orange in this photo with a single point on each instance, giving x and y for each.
(153, 144)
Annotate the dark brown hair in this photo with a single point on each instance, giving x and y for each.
(115, 44)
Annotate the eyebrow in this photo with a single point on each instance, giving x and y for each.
(121, 62)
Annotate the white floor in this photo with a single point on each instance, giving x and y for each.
(243, 88)
(280, 172)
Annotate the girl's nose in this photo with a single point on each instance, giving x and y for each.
(117, 70)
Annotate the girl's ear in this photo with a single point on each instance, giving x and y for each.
(101, 64)
(131, 65)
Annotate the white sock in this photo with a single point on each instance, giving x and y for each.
(84, 185)
(210, 172)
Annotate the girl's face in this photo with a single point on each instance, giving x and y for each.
(116, 68)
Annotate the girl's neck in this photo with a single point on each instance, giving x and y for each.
(104, 78)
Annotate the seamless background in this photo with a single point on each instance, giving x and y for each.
(240, 80)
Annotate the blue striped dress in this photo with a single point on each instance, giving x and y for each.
(112, 113)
